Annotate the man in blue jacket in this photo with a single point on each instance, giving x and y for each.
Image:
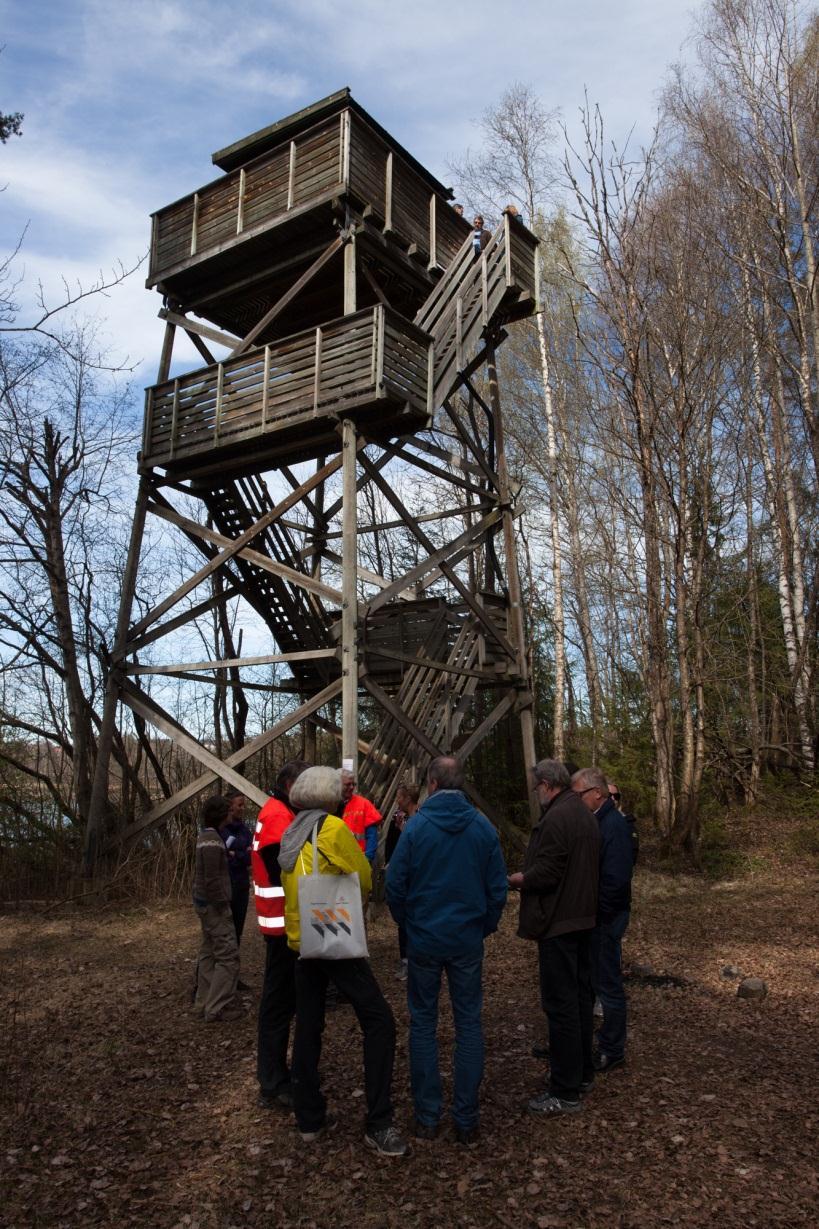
(613, 913)
(447, 883)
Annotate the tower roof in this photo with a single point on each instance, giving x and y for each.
(249, 147)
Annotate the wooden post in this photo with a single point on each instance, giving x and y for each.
(240, 209)
(388, 194)
(291, 176)
(167, 353)
(349, 607)
(310, 732)
(349, 277)
(98, 806)
(516, 628)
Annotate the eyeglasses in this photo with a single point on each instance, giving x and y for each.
(614, 797)
(589, 790)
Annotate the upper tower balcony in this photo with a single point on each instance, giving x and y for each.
(229, 250)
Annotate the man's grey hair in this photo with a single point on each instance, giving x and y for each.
(316, 789)
(347, 774)
(552, 773)
(446, 772)
(591, 778)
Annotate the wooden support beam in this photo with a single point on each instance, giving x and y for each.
(194, 326)
(350, 288)
(349, 605)
(445, 667)
(473, 445)
(167, 352)
(302, 579)
(236, 545)
(288, 297)
(266, 659)
(455, 460)
(446, 568)
(397, 450)
(174, 624)
(505, 705)
(527, 727)
(471, 538)
(165, 808)
(374, 286)
(373, 578)
(98, 803)
(201, 347)
(153, 712)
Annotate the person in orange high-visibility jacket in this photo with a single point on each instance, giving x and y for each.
(277, 1005)
(360, 816)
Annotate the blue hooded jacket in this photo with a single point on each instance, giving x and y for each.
(616, 862)
(447, 879)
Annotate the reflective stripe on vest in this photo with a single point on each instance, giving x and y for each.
(268, 897)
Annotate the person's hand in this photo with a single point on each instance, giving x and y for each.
(516, 880)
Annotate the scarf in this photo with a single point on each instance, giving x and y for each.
(294, 836)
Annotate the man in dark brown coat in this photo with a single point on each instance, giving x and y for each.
(558, 907)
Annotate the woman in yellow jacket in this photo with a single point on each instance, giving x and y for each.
(315, 797)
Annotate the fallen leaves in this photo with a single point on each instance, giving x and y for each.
(122, 1110)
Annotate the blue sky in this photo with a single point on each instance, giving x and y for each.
(125, 102)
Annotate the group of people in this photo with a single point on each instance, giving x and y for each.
(446, 887)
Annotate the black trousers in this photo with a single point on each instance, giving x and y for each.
(276, 1009)
(568, 1000)
(355, 980)
(238, 907)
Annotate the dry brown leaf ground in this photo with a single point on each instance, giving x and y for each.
(119, 1109)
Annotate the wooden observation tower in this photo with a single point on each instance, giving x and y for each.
(341, 471)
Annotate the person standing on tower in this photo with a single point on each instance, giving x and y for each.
(278, 1002)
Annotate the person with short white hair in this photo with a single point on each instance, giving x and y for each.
(316, 797)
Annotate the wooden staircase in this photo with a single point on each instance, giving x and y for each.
(297, 619)
(475, 295)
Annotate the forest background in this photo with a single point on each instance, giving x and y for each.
(663, 428)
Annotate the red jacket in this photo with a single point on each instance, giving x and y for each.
(268, 893)
(359, 814)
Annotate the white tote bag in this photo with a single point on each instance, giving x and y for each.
(331, 919)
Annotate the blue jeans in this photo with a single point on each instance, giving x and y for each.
(608, 983)
(463, 974)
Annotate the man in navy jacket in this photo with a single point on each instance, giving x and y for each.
(447, 883)
(613, 913)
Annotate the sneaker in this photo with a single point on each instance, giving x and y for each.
(587, 1085)
(604, 1062)
(550, 1106)
(469, 1137)
(388, 1141)
(425, 1130)
(282, 1098)
(401, 971)
(330, 1123)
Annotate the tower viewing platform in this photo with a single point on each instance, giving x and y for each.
(343, 284)
(229, 250)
